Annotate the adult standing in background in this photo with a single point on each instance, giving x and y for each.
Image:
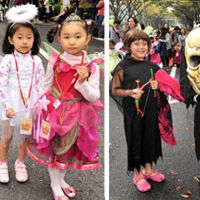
(80, 8)
(100, 18)
(94, 9)
(133, 24)
(115, 32)
(182, 37)
(165, 45)
(175, 36)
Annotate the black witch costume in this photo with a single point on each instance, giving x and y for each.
(144, 124)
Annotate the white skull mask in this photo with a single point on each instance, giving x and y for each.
(192, 54)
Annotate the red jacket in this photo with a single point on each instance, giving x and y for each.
(100, 7)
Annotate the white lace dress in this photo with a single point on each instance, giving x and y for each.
(10, 88)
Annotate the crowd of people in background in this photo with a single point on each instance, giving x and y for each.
(167, 47)
(48, 10)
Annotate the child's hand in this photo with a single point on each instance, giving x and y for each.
(83, 73)
(137, 93)
(10, 112)
(154, 85)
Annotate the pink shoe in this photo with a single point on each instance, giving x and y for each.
(69, 191)
(4, 177)
(155, 176)
(21, 173)
(141, 183)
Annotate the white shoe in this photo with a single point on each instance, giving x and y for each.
(4, 177)
(21, 173)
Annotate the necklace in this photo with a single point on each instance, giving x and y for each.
(25, 99)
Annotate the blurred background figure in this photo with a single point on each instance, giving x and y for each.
(100, 18)
(115, 32)
(80, 8)
(113, 56)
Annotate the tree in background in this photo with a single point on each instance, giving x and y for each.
(181, 11)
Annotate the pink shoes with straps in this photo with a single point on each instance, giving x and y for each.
(155, 176)
(69, 191)
(141, 183)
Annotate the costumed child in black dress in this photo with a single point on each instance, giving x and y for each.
(138, 87)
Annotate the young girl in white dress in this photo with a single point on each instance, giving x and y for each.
(21, 75)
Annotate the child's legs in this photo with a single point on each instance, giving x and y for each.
(55, 181)
(5, 141)
(4, 146)
(22, 149)
(138, 172)
(62, 178)
(68, 190)
(148, 167)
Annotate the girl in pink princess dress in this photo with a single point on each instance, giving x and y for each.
(65, 132)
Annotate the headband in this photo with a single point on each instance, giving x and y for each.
(21, 14)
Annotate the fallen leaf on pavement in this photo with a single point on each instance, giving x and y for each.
(125, 190)
(196, 179)
(186, 196)
(173, 172)
(189, 192)
(178, 188)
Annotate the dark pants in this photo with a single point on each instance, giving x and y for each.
(80, 12)
(100, 19)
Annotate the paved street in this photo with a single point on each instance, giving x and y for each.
(89, 184)
(179, 163)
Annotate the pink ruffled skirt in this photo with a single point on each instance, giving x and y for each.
(72, 115)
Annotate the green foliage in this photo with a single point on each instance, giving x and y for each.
(56, 9)
(87, 6)
(185, 11)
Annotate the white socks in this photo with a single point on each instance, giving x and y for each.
(62, 173)
(55, 181)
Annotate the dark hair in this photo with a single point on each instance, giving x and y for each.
(61, 21)
(134, 35)
(8, 48)
(134, 19)
(163, 32)
(176, 28)
(142, 26)
(112, 42)
(116, 21)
